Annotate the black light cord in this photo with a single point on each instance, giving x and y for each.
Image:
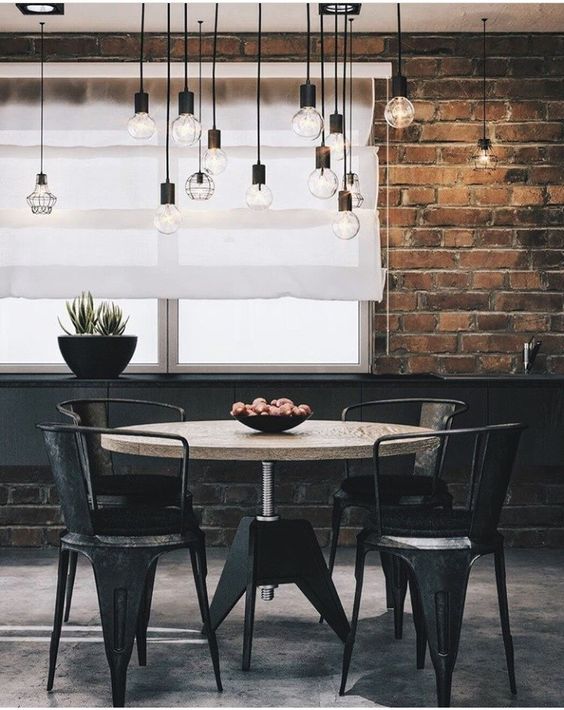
(141, 47)
(345, 57)
(350, 90)
(322, 60)
(308, 49)
(484, 20)
(41, 92)
(336, 66)
(259, 52)
(399, 40)
(214, 58)
(185, 46)
(200, 22)
(167, 89)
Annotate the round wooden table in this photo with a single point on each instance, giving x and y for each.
(267, 550)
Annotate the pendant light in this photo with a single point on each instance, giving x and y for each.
(186, 129)
(199, 185)
(322, 182)
(215, 160)
(352, 183)
(399, 112)
(484, 159)
(168, 217)
(307, 122)
(336, 139)
(259, 195)
(346, 224)
(141, 126)
(41, 200)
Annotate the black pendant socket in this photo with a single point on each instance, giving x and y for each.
(322, 157)
(399, 85)
(41, 179)
(307, 95)
(345, 201)
(214, 138)
(141, 102)
(336, 123)
(167, 193)
(185, 102)
(484, 143)
(259, 174)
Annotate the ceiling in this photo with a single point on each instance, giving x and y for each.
(287, 17)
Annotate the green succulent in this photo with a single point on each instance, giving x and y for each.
(107, 319)
(110, 319)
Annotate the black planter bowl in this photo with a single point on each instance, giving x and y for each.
(97, 357)
(270, 424)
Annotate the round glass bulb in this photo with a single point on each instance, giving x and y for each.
(399, 112)
(168, 218)
(323, 183)
(215, 161)
(141, 126)
(346, 225)
(307, 123)
(338, 145)
(186, 129)
(258, 197)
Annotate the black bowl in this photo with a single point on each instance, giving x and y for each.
(271, 424)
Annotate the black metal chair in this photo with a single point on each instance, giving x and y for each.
(123, 545)
(439, 547)
(408, 482)
(117, 488)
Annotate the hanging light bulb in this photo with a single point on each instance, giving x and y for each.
(186, 129)
(323, 182)
(168, 217)
(336, 139)
(352, 184)
(483, 158)
(399, 111)
(259, 195)
(141, 126)
(346, 224)
(41, 201)
(351, 181)
(215, 159)
(307, 122)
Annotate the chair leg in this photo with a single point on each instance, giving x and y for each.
(73, 559)
(499, 557)
(58, 617)
(121, 576)
(144, 615)
(418, 622)
(349, 643)
(199, 567)
(336, 517)
(386, 560)
(399, 590)
(250, 600)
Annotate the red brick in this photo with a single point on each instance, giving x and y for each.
(419, 175)
(426, 237)
(495, 237)
(488, 279)
(525, 280)
(421, 280)
(477, 342)
(528, 110)
(455, 110)
(556, 194)
(465, 301)
(402, 301)
(525, 132)
(451, 132)
(492, 321)
(458, 365)
(419, 322)
(421, 259)
(423, 343)
(491, 195)
(530, 322)
(495, 363)
(455, 321)
(422, 363)
(544, 302)
(457, 216)
(417, 196)
(458, 238)
(452, 279)
(521, 195)
(493, 258)
(419, 154)
(457, 195)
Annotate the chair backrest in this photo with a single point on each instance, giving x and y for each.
(494, 451)
(436, 414)
(102, 412)
(77, 487)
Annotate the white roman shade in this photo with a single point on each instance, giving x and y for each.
(100, 236)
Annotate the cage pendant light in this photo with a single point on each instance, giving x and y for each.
(41, 200)
(336, 139)
(307, 122)
(259, 195)
(200, 186)
(215, 159)
(322, 182)
(186, 129)
(346, 223)
(352, 182)
(141, 126)
(399, 112)
(168, 217)
(483, 158)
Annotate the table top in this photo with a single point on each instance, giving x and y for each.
(230, 440)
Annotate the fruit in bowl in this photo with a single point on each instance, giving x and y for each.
(274, 416)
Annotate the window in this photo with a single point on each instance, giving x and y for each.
(284, 335)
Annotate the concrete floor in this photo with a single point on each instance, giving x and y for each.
(296, 661)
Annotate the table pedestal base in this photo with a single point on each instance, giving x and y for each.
(272, 553)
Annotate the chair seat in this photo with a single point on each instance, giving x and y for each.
(401, 522)
(140, 488)
(395, 490)
(131, 522)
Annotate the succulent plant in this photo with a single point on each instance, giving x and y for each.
(82, 314)
(110, 319)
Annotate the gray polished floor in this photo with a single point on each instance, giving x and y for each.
(296, 661)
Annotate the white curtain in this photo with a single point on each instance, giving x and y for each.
(100, 235)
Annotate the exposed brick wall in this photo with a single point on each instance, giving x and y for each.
(477, 260)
